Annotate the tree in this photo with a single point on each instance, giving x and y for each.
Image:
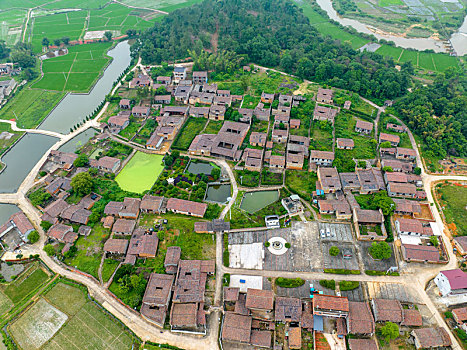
(23, 58)
(387, 169)
(334, 251)
(434, 240)
(384, 202)
(380, 250)
(39, 197)
(29, 74)
(4, 50)
(82, 183)
(66, 40)
(417, 171)
(46, 225)
(390, 331)
(216, 173)
(57, 42)
(131, 33)
(45, 42)
(49, 249)
(33, 237)
(81, 161)
(385, 144)
(108, 35)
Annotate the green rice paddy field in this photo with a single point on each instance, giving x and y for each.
(74, 24)
(140, 173)
(77, 71)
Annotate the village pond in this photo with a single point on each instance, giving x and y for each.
(141, 172)
(254, 201)
(218, 193)
(199, 168)
(78, 141)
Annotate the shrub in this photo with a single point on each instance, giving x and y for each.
(289, 282)
(334, 251)
(287, 245)
(348, 285)
(461, 334)
(267, 244)
(390, 331)
(329, 284)
(33, 237)
(46, 225)
(380, 250)
(49, 249)
(226, 280)
(342, 271)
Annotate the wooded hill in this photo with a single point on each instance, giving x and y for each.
(272, 33)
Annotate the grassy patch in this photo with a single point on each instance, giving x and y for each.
(247, 178)
(140, 173)
(213, 127)
(88, 256)
(454, 199)
(301, 182)
(108, 269)
(321, 136)
(188, 132)
(4, 144)
(30, 106)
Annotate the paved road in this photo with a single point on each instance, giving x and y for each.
(14, 127)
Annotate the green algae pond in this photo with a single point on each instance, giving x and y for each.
(140, 173)
(254, 201)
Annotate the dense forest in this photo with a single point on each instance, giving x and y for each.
(272, 33)
(438, 114)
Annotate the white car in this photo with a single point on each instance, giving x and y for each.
(328, 232)
(323, 235)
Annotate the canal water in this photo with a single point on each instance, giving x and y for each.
(7, 210)
(75, 107)
(458, 39)
(218, 193)
(254, 201)
(22, 158)
(78, 141)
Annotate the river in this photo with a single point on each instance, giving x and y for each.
(459, 39)
(22, 157)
